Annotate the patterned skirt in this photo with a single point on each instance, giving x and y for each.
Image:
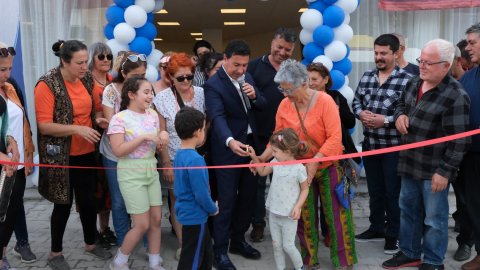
(339, 221)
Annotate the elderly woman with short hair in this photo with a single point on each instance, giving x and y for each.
(315, 118)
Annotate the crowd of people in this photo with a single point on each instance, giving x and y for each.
(221, 109)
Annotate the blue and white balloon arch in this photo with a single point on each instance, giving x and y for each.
(325, 34)
(130, 27)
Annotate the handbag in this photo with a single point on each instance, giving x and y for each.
(6, 188)
(345, 192)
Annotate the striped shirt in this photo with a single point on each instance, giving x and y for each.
(380, 99)
(441, 111)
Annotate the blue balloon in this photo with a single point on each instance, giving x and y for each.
(305, 62)
(115, 15)
(311, 50)
(329, 2)
(344, 65)
(338, 79)
(148, 30)
(108, 31)
(318, 5)
(124, 3)
(351, 130)
(150, 17)
(333, 16)
(141, 45)
(323, 35)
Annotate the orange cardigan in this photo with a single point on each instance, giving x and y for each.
(28, 145)
(322, 123)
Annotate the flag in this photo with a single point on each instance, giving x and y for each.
(404, 5)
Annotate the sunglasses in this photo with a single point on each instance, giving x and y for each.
(135, 58)
(101, 57)
(184, 77)
(6, 51)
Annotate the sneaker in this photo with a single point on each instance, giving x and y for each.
(6, 265)
(109, 237)
(256, 235)
(99, 252)
(157, 267)
(391, 246)
(427, 266)
(178, 253)
(58, 263)
(24, 253)
(369, 235)
(400, 260)
(113, 266)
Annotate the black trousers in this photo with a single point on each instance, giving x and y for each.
(14, 208)
(82, 185)
(196, 248)
(469, 191)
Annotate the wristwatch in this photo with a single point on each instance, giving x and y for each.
(385, 122)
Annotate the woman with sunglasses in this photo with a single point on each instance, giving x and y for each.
(180, 70)
(68, 110)
(100, 62)
(12, 124)
(315, 118)
(127, 65)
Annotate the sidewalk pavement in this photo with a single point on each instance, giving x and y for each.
(38, 210)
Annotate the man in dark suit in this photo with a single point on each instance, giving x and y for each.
(230, 98)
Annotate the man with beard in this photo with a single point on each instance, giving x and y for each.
(374, 104)
(263, 70)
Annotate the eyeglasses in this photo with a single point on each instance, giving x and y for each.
(135, 58)
(428, 63)
(101, 57)
(288, 92)
(184, 77)
(6, 51)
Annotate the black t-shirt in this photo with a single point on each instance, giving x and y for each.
(412, 69)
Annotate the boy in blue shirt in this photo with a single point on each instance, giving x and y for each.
(194, 203)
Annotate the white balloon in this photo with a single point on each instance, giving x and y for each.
(347, 92)
(135, 16)
(325, 61)
(348, 6)
(151, 74)
(347, 19)
(310, 19)
(116, 46)
(347, 81)
(306, 36)
(147, 5)
(158, 5)
(154, 57)
(336, 50)
(124, 33)
(344, 33)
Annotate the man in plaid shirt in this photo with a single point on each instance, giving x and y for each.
(374, 104)
(433, 105)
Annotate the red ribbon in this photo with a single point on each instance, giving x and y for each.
(302, 161)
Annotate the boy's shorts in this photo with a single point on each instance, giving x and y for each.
(139, 184)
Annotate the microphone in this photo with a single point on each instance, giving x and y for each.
(246, 100)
